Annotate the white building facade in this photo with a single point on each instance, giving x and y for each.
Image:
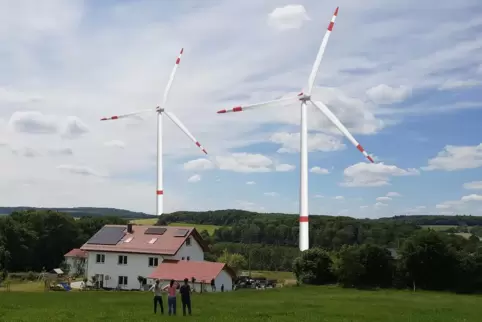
(121, 268)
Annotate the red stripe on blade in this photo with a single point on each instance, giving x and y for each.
(103, 119)
(114, 117)
(336, 11)
(330, 26)
(205, 152)
(370, 158)
(304, 219)
(221, 111)
(182, 49)
(177, 61)
(360, 148)
(198, 144)
(160, 192)
(237, 109)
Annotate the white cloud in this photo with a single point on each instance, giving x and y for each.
(474, 185)
(380, 204)
(393, 194)
(384, 199)
(373, 174)
(472, 197)
(26, 152)
(115, 144)
(456, 84)
(194, 178)
(384, 94)
(319, 170)
(284, 167)
(74, 128)
(288, 17)
(318, 196)
(363, 207)
(245, 162)
(250, 182)
(80, 170)
(61, 151)
(453, 158)
(339, 198)
(198, 164)
(271, 194)
(33, 122)
(290, 142)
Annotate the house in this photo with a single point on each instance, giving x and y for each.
(203, 272)
(119, 254)
(76, 260)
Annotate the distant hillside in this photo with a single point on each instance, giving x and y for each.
(84, 211)
(432, 220)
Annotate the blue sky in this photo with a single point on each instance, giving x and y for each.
(404, 77)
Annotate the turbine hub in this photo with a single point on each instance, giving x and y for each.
(159, 109)
(304, 98)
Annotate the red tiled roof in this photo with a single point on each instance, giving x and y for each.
(76, 252)
(179, 270)
(166, 244)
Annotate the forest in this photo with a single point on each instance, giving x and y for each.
(33, 240)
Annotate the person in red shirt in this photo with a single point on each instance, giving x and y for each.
(171, 297)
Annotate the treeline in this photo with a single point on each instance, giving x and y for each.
(459, 220)
(427, 260)
(237, 226)
(33, 240)
(82, 212)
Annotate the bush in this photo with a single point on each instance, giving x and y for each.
(314, 267)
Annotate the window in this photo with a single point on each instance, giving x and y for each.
(182, 258)
(100, 258)
(153, 261)
(188, 241)
(188, 258)
(122, 260)
(122, 280)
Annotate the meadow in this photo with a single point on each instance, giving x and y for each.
(152, 221)
(284, 304)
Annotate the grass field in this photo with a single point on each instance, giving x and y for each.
(152, 221)
(288, 304)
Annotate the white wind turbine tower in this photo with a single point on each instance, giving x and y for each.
(305, 97)
(161, 110)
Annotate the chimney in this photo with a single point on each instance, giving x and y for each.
(129, 228)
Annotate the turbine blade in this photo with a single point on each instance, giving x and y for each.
(325, 110)
(120, 116)
(185, 130)
(171, 79)
(256, 105)
(321, 51)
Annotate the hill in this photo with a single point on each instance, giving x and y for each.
(79, 212)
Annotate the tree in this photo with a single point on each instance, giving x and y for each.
(235, 261)
(314, 267)
(428, 261)
(364, 266)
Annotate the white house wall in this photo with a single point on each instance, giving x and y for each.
(137, 265)
(194, 251)
(72, 262)
(223, 278)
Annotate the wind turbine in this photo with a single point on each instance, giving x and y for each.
(161, 110)
(305, 97)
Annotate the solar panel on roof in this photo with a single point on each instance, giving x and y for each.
(155, 231)
(107, 236)
(181, 232)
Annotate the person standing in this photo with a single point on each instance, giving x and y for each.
(213, 285)
(186, 297)
(157, 296)
(171, 298)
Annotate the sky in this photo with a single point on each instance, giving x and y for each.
(405, 77)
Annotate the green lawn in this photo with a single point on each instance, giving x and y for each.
(287, 304)
(199, 227)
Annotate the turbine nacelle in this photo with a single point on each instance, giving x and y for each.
(304, 97)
